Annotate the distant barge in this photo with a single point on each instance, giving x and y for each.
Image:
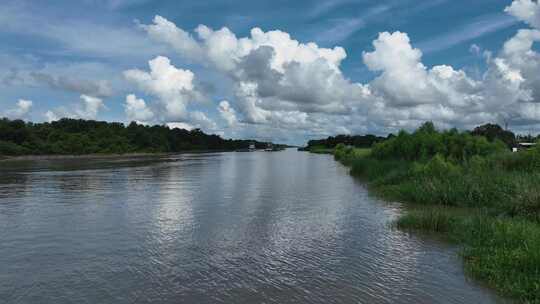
(269, 148)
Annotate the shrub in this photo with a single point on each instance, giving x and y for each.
(426, 142)
(503, 252)
(9, 148)
(435, 219)
(497, 219)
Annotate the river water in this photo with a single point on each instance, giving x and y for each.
(261, 227)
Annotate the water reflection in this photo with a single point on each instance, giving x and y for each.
(260, 227)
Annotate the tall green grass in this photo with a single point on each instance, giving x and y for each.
(483, 197)
(434, 219)
(441, 182)
(503, 252)
(321, 150)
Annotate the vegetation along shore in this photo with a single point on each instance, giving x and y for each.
(471, 189)
(75, 137)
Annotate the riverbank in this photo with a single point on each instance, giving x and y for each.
(318, 150)
(6, 158)
(477, 195)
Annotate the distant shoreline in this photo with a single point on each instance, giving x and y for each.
(4, 158)
(7, 158)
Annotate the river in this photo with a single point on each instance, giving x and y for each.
(261, 227)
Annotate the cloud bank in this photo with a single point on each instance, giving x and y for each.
(283, 88)
(281, 83)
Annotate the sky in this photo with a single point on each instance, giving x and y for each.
(285, 71)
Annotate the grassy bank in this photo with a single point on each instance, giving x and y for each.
(501, 251)
(320, 150)
(473, 191)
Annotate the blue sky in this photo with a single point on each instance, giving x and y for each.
(55, 51)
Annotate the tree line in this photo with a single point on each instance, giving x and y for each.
(492, 132)
(78, 136)
(358, 141)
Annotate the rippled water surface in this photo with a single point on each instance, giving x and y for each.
(283, 227)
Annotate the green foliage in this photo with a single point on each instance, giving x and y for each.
(9, 148)
(437, 167)
(504, 252)
(76, 136)
(427, 142)
(435, 219)
(524, 161)
(357, 141)
(479, 183)
(494, 132)
(343, 152)
(473, 190)
(320, 150)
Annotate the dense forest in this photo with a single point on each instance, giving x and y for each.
(76, 136)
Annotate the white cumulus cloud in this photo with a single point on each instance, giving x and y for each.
(280, 84)
(137, 110)
(527, 11)
(275, 77)
(227, 113)
(87, 108)
(21, 109)
(173, 87)
(90, 107)
(50, 116)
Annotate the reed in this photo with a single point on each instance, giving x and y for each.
(482, 197)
